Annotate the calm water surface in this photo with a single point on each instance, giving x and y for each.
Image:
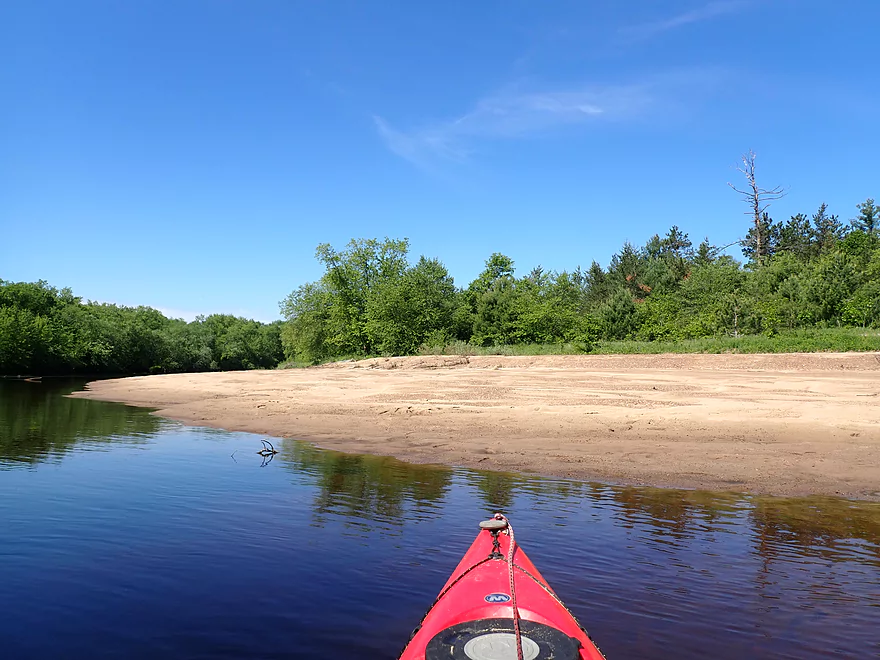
(125, 535)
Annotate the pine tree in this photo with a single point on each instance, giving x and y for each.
(828, 229)
(705, 253)
(762, 240)
(869, 217)
(676, 242)
(797, 236)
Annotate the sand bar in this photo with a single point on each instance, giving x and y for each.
(791, 424)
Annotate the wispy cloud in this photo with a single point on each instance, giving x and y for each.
(707, 12)
(517, 113)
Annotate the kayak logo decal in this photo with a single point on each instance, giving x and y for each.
(497, 598)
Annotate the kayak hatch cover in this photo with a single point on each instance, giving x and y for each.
(476, 615)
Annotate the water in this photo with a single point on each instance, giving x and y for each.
(126, 535)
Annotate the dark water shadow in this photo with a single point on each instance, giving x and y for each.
(366, 490)
(38, 423)
(380, 490)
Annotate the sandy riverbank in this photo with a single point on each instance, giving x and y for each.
(783, 424)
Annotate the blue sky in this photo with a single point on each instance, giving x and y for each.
(190, 155)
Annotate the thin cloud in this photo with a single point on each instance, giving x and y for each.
(516, 114)
(706, 12)
(510, 115)
(420, 146)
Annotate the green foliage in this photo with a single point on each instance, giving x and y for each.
(797, 237)
(811, 274)
(496, 310)
(859, 243)
(352, 277)
(766, 235)
(404, 311)
(36, 424)
(617, 318)
(863, 307)
(868, 219)
(44, 331)
(794, 341)
(306, 333)
(498, 267)
(369, 301)
(828, 230)
(553, 308)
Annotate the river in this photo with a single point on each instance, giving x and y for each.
(123, 534)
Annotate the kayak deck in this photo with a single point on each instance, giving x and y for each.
(473, 616)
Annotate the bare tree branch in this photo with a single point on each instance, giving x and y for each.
(757, 198)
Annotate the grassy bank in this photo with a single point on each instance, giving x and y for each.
(799, 341)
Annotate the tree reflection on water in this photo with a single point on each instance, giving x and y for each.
(38, 424)
(385, 490)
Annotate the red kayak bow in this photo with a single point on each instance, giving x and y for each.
(497, 606)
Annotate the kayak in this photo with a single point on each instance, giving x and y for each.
(497, 606)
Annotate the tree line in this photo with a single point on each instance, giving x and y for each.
(811, 271)
(47, 331)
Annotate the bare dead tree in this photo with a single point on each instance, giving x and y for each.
(758, 199)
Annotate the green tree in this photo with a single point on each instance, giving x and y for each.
(798, 237)
(705, 253)
(47, 331)
(306, 334)
(498, 267)
(762, 240)
(404, 312)
(492, 297)
(711, 299)
(351, 276)
(627, 268)
(599, 285)
(827, 287)
(551, 308)
(868, 219)
(828, 230)
(617, 318)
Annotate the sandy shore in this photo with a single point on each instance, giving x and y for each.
(783, 424)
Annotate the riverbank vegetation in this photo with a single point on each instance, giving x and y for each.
(802, 284)
(46, 331)
(811, 283)
(810, 340)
